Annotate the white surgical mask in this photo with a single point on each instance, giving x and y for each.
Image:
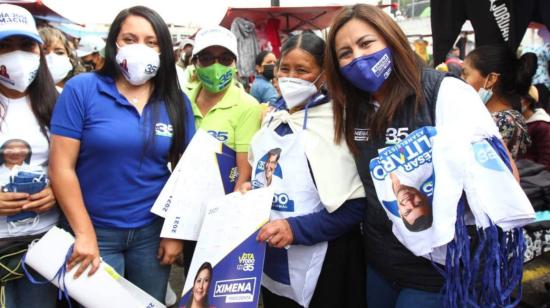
(59, 66)
(22, 226)
(18, 69)
(295, 91)
(138, 63)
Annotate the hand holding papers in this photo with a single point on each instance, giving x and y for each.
(105, 288)
(228, 253)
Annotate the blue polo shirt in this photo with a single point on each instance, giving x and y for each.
(263, 90)
(121, 169)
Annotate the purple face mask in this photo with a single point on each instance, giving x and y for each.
(369, 72)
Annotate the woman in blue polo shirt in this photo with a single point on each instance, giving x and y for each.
(113, 134)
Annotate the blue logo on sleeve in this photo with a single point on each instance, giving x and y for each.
(221, 136)
(488, 157)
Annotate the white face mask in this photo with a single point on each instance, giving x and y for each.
(295, 91)
(59, 66)
(18, 69)
(138, 63)
(21, 226)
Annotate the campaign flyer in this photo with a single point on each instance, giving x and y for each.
(227, 265)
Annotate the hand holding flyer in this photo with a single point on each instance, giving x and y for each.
(106, 288)
(228, 261)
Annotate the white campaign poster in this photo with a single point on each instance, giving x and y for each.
(205, 171)
(227, 266)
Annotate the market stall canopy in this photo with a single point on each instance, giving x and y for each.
(79, 31)
(291, 18)
(40, 10)
(494, 21)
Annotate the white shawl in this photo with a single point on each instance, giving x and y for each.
(332, 165)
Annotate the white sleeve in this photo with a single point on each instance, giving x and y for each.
(459, 110)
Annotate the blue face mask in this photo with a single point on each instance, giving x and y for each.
(485, 94)
(28, 182)
(369, 72)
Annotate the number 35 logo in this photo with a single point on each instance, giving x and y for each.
(221, 136)
(395, 135)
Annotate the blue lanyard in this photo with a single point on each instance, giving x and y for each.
(60, 275)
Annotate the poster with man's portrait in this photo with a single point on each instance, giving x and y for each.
(404, 179)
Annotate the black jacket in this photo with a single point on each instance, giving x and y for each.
(384, 253)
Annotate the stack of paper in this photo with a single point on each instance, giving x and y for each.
(205, 171)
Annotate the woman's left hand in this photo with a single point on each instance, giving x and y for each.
(169, 250)
(276, 233)
(40, 202)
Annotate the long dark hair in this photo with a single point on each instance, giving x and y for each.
(404, 81)
(261, 56)
(515, 75)
(207, 266)
(42, 94)
(166, 88)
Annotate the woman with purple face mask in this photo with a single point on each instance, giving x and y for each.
(382, 94)
(314, 254)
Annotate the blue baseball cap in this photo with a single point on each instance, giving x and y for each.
(16, 20)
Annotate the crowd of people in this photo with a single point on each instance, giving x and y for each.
(105, 120)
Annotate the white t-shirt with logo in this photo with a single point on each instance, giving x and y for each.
(22, 147)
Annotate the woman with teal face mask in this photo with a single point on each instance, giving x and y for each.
(220, 104)
(501, 79)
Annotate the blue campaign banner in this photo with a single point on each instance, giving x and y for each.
(234, 282)
(227, 164)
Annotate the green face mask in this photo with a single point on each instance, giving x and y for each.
(216, 77)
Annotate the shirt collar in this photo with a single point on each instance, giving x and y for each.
(108, 87)
(229, 99)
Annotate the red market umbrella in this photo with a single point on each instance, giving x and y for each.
(40, 10)
(291, 18)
